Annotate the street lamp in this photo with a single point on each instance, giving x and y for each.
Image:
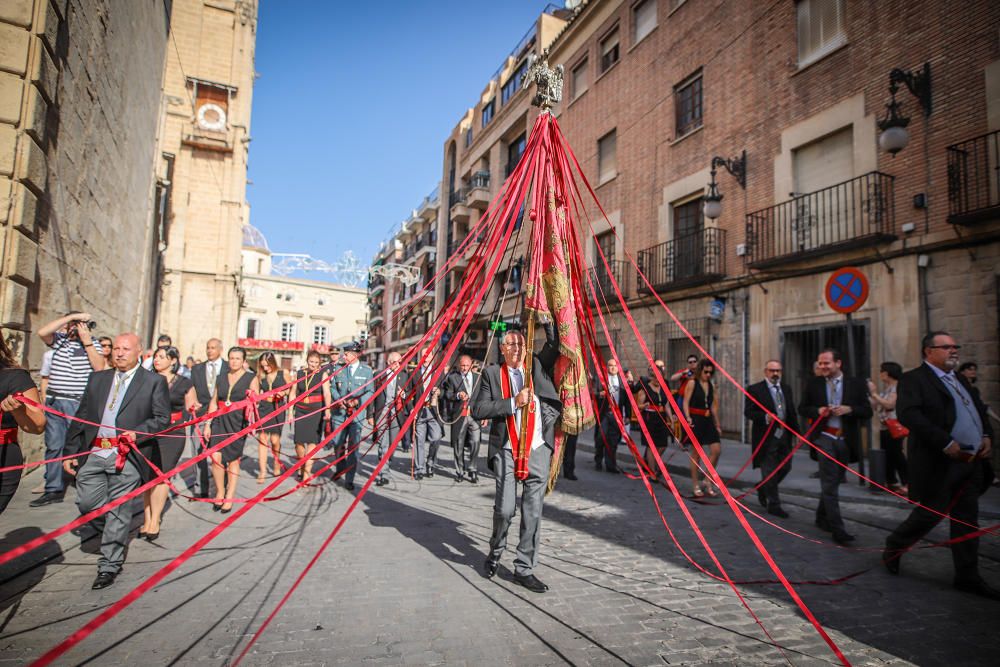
(713, 199)
(895, 136)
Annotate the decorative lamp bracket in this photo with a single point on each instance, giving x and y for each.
(736, 166)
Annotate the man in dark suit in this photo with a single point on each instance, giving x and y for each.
(128, 401)
(459, 388)
(203, 377)
(772, 443)
(427, 428)
(390, 410)
(950, 443)
(842, 403)
(607, 433)
(505, 398)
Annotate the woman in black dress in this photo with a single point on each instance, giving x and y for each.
(16, 415)
(655, 412)
(231, 387)
(269, 377)
(701, 409)
(309, 417)
(167, 453)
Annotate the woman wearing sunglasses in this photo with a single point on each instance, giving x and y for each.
(701, 409)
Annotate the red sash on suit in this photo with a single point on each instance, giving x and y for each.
(520, 450)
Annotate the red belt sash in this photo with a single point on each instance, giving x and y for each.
(520, 450)
(312, 399)
(122, 443)
(700, 412)
(176, 416)
(8, 436)
(833, 432)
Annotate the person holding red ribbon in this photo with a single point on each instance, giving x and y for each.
(459, 388)
(166, 455)
(390, 409)
(15, 381)
(309, 412)
(230, 389)
(269, 376)
(128, 402)
(524, 410)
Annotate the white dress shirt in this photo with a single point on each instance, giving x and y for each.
(119, 387)
(516, 381)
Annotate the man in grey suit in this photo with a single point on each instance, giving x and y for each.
(501, 401)
(128, 402)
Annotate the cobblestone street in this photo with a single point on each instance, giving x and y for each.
(402, 584)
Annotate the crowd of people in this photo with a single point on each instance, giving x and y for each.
(106, 396)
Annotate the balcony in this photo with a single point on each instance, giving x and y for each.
(479, 190)
(693, 259)
(271, 345)
(376, 285)
(428, 208)
(460, 211)
(208, 140)
(974, 180)
(600, 277)
(853, 214)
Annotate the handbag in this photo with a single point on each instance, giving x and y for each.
(896, 429)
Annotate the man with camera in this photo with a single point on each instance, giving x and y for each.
(74, 356)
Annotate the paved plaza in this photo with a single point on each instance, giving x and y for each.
(402, 584)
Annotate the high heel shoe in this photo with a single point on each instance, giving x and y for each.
(151, 537)
(223, 509)
(710, 490)
(217, 505)
(142, 534)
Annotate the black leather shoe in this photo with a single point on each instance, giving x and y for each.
(978, 587)
(430, 473)
(778, 512)
(490, 567)
(761, 498)
(381, 481)
(349, 486)
(47, 499)
(842, 537)
(823, 524)
(613, 471)
(103, 580)
(891, 560)
(531, 582)
(598, 466)
(474, 478)
(418, 476)
(571, 476)
(459, 476)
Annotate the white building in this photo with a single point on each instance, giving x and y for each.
(290, 316)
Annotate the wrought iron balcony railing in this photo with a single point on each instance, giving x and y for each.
(480, 179)
(601, 277)
(692, 259)
(852, 214)
(974, 179)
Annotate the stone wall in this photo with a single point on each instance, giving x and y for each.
(79, 110)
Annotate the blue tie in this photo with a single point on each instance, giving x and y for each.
(518, 380)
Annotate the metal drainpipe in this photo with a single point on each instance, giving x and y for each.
(745, 326)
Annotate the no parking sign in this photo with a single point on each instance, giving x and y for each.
(846, 290)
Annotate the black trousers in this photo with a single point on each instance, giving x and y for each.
(606, 438)
(772, 454)
(961, 484)
(895, 461)
(569, 455)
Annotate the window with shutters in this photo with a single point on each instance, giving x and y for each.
(688, 104)
(580, 78)
(817, 165)
(320, 334)
(643, 19)
(253, 328)
(288, 331)
(605, 245)
(609, 51)
(820, 28)
(607, 158)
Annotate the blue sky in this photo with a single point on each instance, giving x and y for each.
(353, 106)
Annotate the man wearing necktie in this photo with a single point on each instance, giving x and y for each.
(950, 443)
(459, 389)
(351, 388)
(124, 404)
(771, 442)
(427, 429)
(506, 408)
(842, 403)
(390, 411)
(203, 379)
(607, 433)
